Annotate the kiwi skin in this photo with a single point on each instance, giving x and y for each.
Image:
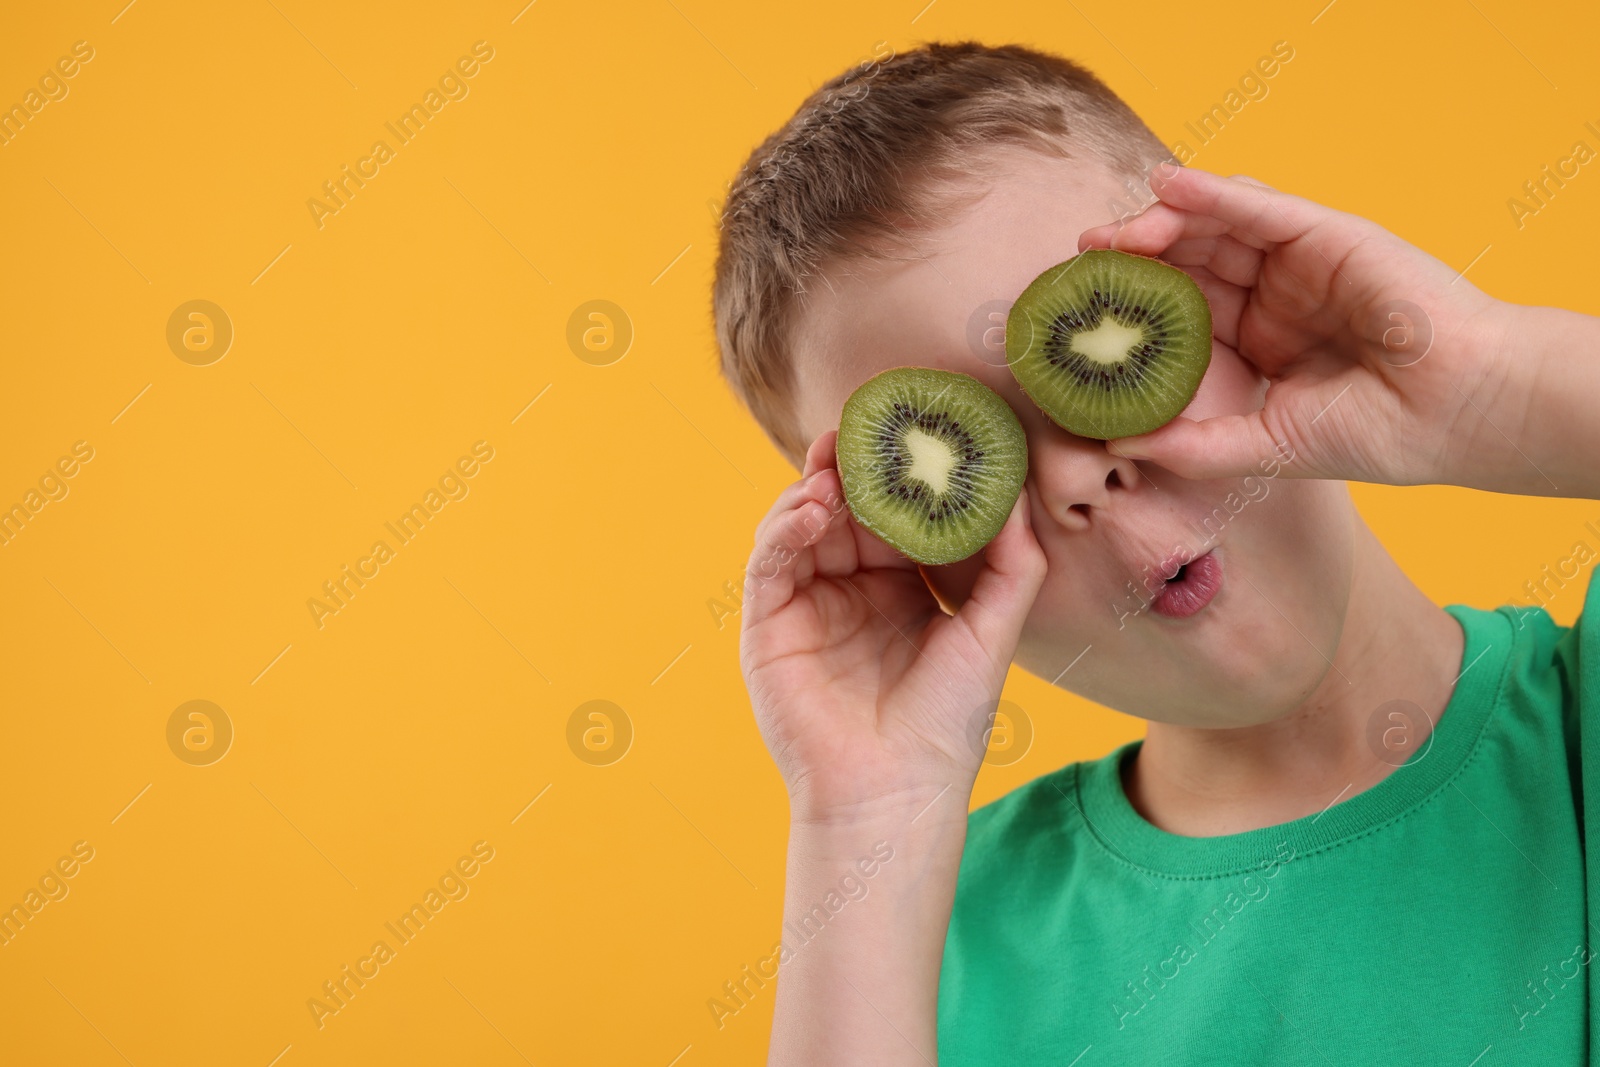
(1164, 388)
(994, 478)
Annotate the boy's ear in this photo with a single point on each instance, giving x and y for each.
(820, 456)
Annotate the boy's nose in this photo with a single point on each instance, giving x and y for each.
(1075, 477)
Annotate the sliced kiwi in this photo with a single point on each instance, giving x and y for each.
(931, 461)
(1110, 344)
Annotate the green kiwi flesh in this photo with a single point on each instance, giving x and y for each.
(931, 461)
(1110, 344)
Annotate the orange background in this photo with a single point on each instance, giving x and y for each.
(370, 754)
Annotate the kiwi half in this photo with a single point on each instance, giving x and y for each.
(1110, 344)
(931, 461)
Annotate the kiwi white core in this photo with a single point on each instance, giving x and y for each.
(1109, 342)
(932, 459)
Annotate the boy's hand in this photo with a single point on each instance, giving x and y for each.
(865, 691)
(1385, 365)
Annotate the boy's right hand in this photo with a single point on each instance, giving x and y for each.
(864, 689)
(1325, 304)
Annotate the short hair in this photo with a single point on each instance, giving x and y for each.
(861, 158)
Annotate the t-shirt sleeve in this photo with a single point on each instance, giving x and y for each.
(1577, 659)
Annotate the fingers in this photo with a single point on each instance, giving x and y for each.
(1151, 231)
(820, 455)
(788, 498)
(850, 547)
(1098, 236)
(1227, 304)
(1249, 208)
(1223, 255)
(783, 543)
(1184, 240)
(1198, 204)
(1222, 447)
(1014, 568)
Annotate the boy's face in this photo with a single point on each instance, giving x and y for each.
(1283, 547)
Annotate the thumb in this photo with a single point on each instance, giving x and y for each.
(1221, 447)
(1014, 568)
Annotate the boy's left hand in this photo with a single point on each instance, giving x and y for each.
(1385, 365)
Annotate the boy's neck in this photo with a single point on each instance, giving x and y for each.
(1396, 643)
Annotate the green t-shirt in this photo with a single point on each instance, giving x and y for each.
(1440, 917)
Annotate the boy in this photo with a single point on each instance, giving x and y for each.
(1354, 831)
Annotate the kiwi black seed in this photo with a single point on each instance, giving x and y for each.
(931, 461)
(1110, 344)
